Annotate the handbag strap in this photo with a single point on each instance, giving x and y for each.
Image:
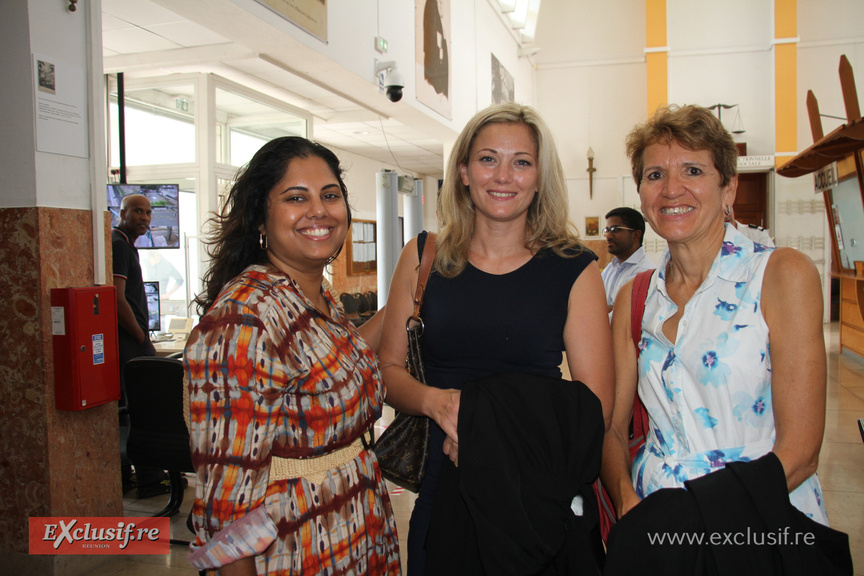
(428, 256)
(639, 423)
(637, 305)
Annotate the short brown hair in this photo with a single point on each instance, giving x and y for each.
(694, 128)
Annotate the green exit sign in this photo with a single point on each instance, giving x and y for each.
(381, 44)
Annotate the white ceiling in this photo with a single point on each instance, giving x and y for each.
(144, 38)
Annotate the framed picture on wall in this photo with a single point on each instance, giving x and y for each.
(592, 226)
(310, 15)
(503, 87)
(432, 33)
(361, 247)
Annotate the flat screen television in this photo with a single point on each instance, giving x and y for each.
(154, 314)
(165, 221)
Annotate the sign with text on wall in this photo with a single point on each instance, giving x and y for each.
(826, 178)
(61, 107)
(755, 163)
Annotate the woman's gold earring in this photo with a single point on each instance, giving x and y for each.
(262, 241)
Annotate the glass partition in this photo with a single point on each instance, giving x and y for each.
(248, 124)
(177, 271)
(161, 141)
(848, 218)
(159, 125)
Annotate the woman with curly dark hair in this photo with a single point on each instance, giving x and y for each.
(281, 385)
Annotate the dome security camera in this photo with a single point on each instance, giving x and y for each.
(392, 82)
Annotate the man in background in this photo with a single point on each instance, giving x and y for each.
(624, 232)
(158, 268)
(132, 318)
(131, 301)
(757, 234)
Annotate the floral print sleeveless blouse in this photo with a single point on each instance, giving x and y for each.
(709, 394)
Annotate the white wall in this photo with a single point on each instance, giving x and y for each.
(55, 33)
(29, 177)
(476, 32)
(591, 91)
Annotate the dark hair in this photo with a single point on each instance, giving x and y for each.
(233, 245)
(630, 218)
(692, 127)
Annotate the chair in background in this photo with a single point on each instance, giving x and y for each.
(158, 437)
(349, 304)
(373, 300)
(363, 307)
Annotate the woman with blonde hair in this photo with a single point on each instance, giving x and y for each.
(512, 287)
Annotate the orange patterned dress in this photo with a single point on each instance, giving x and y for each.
(269, 375)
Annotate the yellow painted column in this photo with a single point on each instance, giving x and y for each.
(785, 80)
(656, 55)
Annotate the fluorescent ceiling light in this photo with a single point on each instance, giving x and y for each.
(522, 15)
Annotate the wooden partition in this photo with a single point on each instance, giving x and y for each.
(836, 158)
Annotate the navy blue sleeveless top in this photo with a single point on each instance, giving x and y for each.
(479, 324)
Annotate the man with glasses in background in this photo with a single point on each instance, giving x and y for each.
(624, 231)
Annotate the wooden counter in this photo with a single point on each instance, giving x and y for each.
(851, 313)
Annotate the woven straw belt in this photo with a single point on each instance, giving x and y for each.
(313, 469)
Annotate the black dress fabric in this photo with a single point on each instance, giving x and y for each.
(527, 445)
(745, 509)
(479, 324)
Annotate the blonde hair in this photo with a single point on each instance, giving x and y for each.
(548, 224)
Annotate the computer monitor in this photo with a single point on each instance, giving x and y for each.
(151, 290)
(164, 199)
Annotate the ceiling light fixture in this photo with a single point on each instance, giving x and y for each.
(522, 15)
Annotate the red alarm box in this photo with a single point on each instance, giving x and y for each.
(86, 351)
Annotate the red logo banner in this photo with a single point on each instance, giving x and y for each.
(100, 535)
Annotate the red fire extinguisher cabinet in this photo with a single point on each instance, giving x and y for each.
(86, 353)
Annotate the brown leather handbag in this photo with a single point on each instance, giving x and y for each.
(403, 448)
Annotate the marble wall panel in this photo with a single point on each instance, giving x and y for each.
(52, 463)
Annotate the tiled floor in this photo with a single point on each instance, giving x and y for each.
(841, 470)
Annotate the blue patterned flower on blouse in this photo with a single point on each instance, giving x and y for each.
(670, 392)
(677, 471)
(651, 352)
(704, 415)
(719, 458)
(725, 310)
(729, 249)
(655, 448)
(751, 411)
(713, 367)
(716, 458)
(746, 297)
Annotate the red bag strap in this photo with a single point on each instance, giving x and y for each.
(637, 305)
(637, 308)
(423, 276)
